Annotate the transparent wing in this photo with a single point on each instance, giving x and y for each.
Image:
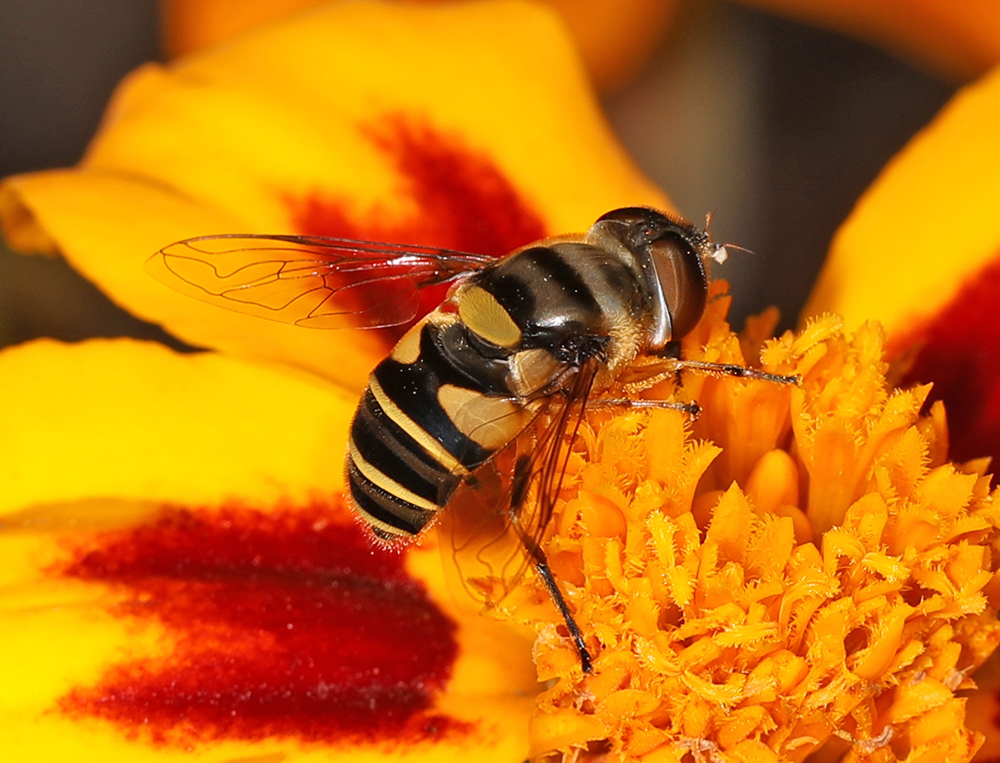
(493, 529)
(309, 281)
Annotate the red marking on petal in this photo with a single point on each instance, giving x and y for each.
(283, 625)
(959, 351)
(463, 201)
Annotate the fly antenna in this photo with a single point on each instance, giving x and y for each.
(719, 252)
(739, 248)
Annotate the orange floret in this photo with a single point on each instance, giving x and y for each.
(798, 568)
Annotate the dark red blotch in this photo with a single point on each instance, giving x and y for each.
(959, 351)
(463, 201)
(286, 625)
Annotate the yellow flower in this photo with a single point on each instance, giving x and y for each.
(180, 517)
(799, 569)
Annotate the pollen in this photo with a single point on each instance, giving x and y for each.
(798, 570)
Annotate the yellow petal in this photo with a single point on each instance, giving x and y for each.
(101, 436)
(927, 223)
(920, 254)
(366, 120)
(138, 656)
(118, 418)
(615, 39)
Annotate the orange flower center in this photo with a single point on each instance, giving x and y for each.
(800, 566)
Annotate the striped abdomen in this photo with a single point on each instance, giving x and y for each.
(462, 383)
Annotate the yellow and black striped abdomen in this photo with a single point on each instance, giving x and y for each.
(412, 440)
(462, 384)
(396, 484)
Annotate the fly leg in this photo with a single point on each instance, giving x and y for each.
(522, 478)
(731, 369)
(645, 375)
(650, 373)
(691, 409)
(542, 566)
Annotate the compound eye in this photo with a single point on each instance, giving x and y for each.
(682, 277)
(636, 217)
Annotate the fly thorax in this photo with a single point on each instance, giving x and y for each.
(548, 310)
